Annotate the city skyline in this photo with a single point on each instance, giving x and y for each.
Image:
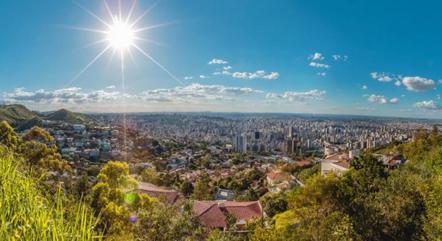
(291, 57)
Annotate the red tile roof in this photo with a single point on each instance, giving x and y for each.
(209, 214)
(304, 163)
(244, 210)
(212, 213)
(278, 176)
(166, 195)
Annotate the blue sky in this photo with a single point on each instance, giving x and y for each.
(341, 57)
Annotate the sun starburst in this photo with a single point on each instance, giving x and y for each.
(120, 35)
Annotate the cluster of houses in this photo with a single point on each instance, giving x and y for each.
(76, 141)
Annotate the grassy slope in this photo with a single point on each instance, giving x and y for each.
(25, 214)
(68, 116)
(12, 113)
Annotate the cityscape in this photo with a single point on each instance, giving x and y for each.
(237, 120)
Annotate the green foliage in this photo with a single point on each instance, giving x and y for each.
(151, 176)
(216, 235)
(8, 137)
(15, 113)
(69, 117)
(113, 198)
(39, 153)
(307, 173)
(249, 195)
(186, 188)
(26, 214)
(274, 204)
(161, 223)
(202, 189)
(382, 206)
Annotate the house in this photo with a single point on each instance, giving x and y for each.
(304, 163)
(391, 161)
(337, 163)
(213, 214)
(336, 166)
(167, 196)
(279, 181)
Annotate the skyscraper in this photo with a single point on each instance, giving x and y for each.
(290, 134)
(240, 143)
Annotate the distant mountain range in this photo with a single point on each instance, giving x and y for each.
(23, 118)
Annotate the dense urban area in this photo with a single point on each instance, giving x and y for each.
(224, 176)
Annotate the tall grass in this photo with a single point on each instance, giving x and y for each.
(25, 214)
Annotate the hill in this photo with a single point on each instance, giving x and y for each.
(23, 118)
(15, 114)
(68, 116)
(28, 124)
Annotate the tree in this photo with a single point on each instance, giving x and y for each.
(187, 188)
(202, 190)
(249, 195)
(37, 150)
(8, 137)
(381, 205)
(275, 206)
(216, 235)
(113, 198)
(313, 214)
(38, 134)
(151, 176)
(162, 223)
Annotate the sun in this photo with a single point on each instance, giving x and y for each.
(120, 35)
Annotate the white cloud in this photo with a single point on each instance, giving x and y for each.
(418, 84)
(380, 99)
(203, 76)
(382, 77)
(228, 67)
(218, 61)
(197, 92)
(322, 74)
(319, 65)
(394, 100)
(259, 74)
(297, 96)
(427, 105)
(111, 87)
(316, 56)
(72, 95)
(188, 77)
(337, 57)
(398, 83)
(364, 87)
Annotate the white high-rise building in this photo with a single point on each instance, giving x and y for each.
(240, 143)
(290, 134)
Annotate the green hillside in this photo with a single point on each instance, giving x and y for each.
(15, 113)
(23, 118)
(68, 116)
